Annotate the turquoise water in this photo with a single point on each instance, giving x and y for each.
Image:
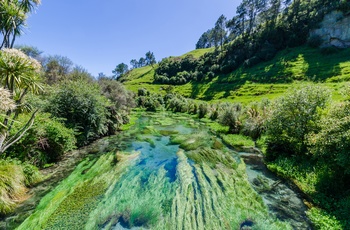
(163, 173)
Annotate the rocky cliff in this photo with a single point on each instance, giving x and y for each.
(334, 30)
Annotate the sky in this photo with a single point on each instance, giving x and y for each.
(100, 34)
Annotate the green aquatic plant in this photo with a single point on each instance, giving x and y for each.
(157, 188)
(191, 141)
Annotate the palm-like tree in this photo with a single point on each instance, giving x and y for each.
(19, 74)
(13, 15)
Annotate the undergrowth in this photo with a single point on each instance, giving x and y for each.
(15, 177)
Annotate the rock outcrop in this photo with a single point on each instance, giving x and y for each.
(334, 30)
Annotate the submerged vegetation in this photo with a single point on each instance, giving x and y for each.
(184, 189)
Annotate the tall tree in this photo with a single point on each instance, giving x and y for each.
(233, 28)
(134, 63)
(120, 69)
(242, 16)
(219, 31)
(205, 41)
(150, 58)
(142, 62)
(275, 9)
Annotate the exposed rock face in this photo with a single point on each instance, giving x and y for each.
(334, 30)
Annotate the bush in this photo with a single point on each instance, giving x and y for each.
(83, 108)
(267, 52)
(230, 117)
(332, 142)
(45, 142)
(202, 110)
(294, 116)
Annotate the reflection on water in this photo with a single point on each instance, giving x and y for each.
(168, 173)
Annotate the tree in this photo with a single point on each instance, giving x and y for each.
(19, 74)
(56, 68)
(121, 102)
(30, 51)
(294, 117)
(241, 16)
(142, 62)
(79, 73)
(219, 31)
(12, 19)
(134, 63)
(120, 69)
(205, 41)
(233, 27)
(150, 58)
(332, 142)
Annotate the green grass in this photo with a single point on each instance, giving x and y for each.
(143, 77)
(14, 177)
(271, 79)
(310, 178)
(198, 52)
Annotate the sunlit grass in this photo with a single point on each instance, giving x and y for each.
(269, 79)
(14, 177)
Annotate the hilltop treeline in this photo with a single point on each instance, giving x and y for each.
(256, 33)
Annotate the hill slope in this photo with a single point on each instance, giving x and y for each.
(265, 80)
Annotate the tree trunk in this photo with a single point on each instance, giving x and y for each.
(2, 140)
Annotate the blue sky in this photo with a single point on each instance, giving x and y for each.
(99, 34)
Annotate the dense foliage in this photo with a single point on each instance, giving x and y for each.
(83, 109)
(294, 117)
(255, 34)
(14, 178)
(45, 142)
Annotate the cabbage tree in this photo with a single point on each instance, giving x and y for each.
(19, 75)
(13, 15)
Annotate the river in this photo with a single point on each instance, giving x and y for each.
(169, 171)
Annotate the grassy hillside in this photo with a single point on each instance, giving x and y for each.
(265, 80)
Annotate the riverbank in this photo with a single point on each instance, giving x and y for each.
(183, 187)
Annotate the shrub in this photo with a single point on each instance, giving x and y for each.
(202, 110)
(45, 142)
(256, 116)
(332, 142)
(294, 116)
(83, 108)
(230, 117)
